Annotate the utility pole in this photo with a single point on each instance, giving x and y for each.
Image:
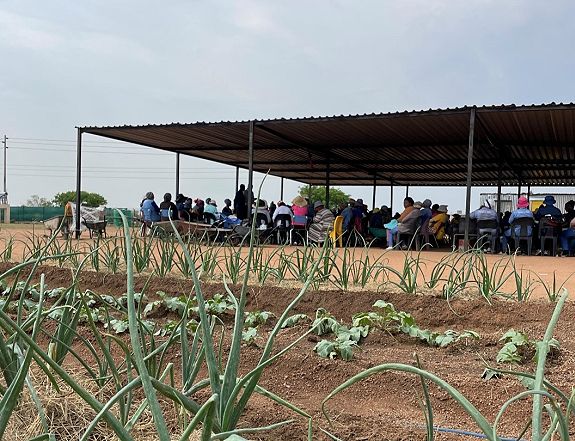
(4, 198)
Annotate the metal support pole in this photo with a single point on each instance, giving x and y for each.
(374, 190)
(78, 180)
(528, 192)
(282, 190)
(469, 171)
(499, 191)
(391, 198)
(237, 180)
(519, 189)
(5, 148)
(250, 168)
(406, 191)
(177, 175)
(327, 185)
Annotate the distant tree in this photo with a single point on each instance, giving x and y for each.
(336, 195)
(86, 198)
(37, 201)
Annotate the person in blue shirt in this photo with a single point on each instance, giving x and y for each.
(347, 214)
(425, 212)
(522, 211)
(150, 210)
(548, 208)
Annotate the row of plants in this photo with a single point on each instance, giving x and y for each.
(454, 274)
(144, 378)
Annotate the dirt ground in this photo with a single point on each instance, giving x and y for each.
(545, 268)
(385, 406)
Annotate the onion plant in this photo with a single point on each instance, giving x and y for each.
(490, 278)
(412, 271)
(231, 393)
(6, 253)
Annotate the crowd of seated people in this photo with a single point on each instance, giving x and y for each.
(521, 230)
(419, 222)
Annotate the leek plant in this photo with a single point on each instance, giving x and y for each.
(554, 289)
(490, 278)
(111, 255)
(407, 278)
(6, 253)
(231, 393)
(234, 263)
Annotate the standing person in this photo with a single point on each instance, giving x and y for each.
(347, 214)
(321, 223)
(272, 207)
(240, 203)
(227, 210)
(168, 209)
(247, 193)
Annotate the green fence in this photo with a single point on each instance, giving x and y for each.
(34, 214)
(38, 214)
(113, 217)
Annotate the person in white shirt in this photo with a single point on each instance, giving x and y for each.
(282, 208)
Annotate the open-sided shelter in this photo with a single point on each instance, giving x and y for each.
(481, 146)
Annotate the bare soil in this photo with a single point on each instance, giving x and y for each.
(385, 406)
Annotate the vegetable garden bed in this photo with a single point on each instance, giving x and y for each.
(384, 406)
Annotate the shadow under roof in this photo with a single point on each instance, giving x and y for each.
(532, 145)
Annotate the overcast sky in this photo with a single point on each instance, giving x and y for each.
(86, 62)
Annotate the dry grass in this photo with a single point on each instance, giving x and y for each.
(68, 416)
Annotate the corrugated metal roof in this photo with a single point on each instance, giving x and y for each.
(532, 144)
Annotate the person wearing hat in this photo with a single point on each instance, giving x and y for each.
(150, 210)
(211, 207)
(425, 212)
(521, 212)
(485, 212)
(168, 209)
(321, 224)
(438, 222)
(299, 210)
(548, 208)
(357, 217)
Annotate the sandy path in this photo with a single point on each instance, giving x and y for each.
(545, 268)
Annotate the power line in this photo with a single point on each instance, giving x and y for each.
(126, 177)
(91, 151)
(106, 167)
(71, 141)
